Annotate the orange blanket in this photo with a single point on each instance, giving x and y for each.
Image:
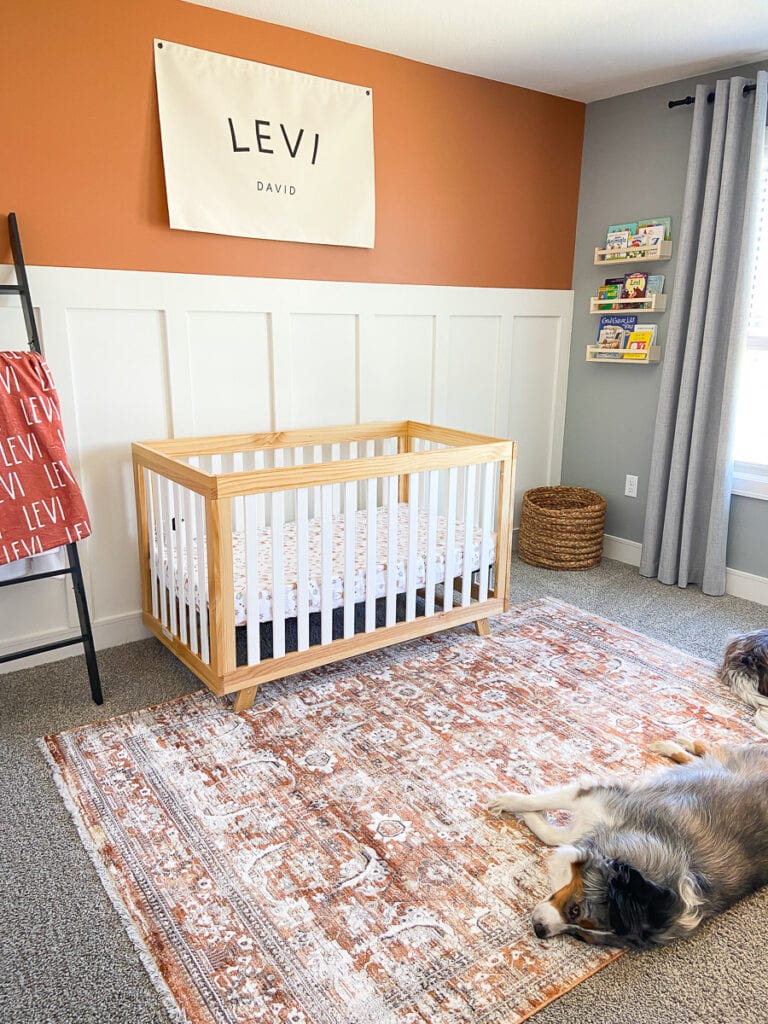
(41, 506)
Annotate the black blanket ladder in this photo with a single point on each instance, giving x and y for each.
(85, 637)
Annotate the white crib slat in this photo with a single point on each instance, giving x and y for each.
(253, 644)
(372, 525)
(486, 505)
(350, 544)
(189, 534)
(469, 533)
(238, 503)
(150, 484)
(278, 573)
(391, 597)
(162, 556)
(326, 548)
(317, 458)
(178, 583)
(413, 528)
(201, 530)
(450, 540)
(429, 583)
(170, 516)
(302, 565)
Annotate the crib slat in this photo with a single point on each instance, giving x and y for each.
(252, 533)
(350, 544)
(178, 582)
(326, 548)
(469, 533)
(433, 483)
(153, 530)
(450, 540)
(162, 556)
(189, 551)
(391, 597)
(278, 574)
(202, 575)
(414, 483)
(486, 505)
(238, 503)
(302, 565)
(372, 525)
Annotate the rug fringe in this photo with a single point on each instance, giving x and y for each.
(167, 998)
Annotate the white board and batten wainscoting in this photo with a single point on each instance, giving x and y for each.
(142, 356)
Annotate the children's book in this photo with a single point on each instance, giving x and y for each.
(635, 285)
(666, 222)
(649, 236)
(645, 328)
(638, 343)
(617, 240)
(613, 331)
(609, 292)
(630, 227)
(655, 285)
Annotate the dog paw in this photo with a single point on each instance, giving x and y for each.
(507, 803)
(664, 747)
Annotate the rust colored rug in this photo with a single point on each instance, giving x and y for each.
(327, 858)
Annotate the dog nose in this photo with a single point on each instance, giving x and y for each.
(540, 929)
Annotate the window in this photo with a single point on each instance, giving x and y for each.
(750, 474)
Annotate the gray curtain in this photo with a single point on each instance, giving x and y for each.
(686, 523)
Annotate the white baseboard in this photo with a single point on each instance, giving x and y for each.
(109, 632)
(737, 583)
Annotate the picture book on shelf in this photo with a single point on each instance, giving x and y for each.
(655, 285)
(607, 294)
(630, 228)
(648, 328)
(617, 240)
(613, 331)
(654, 222)
(638, 343)
(635, 285)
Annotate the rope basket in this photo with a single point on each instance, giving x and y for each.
(562, 527)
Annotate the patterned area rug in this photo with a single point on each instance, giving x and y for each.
(327, 858)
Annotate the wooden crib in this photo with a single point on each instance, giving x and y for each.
(262, 555)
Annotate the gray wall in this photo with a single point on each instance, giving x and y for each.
(634, 163)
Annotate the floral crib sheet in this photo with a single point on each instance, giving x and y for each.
(290, 566)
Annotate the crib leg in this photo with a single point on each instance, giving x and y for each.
(244, 698)
(483, 627)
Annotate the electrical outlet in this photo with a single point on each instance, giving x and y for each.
(630, 486)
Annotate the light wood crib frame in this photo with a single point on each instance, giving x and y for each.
(330, 483)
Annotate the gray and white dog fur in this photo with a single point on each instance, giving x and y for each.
(644, 861)
(745, 671)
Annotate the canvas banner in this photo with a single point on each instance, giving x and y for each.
(263, 152)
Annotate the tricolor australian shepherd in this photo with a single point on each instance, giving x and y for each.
(643, 862)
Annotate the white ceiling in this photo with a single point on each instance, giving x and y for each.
(582, 49)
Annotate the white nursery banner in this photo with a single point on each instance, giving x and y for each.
(260, 151)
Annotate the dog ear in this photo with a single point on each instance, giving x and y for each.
(638, 908)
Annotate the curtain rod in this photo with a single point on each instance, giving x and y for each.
(686, 102)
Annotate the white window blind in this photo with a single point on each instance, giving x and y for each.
(751, 440)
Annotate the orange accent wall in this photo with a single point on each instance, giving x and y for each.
(476, 182)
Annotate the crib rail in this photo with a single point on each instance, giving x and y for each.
(345, 539)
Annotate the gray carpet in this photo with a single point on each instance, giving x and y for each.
(66, 958)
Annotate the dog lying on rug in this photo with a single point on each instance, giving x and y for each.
(643, 862)
(745, 671)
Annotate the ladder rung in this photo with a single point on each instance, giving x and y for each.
(42, 648)
(37, 576)
(10, 289)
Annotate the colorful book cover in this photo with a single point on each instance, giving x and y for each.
(653, 221)
(651, 236)
(626, 320)
(655, 285)
(609, 292)
(613, 331)
(630, 228)
(648, 328)
(617, 240)
(638, 344)
(635, 285)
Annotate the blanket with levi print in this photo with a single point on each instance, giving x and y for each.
(41, 506)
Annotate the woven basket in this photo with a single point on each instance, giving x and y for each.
(562, 527)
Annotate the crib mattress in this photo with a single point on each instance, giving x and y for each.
(290, 566)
